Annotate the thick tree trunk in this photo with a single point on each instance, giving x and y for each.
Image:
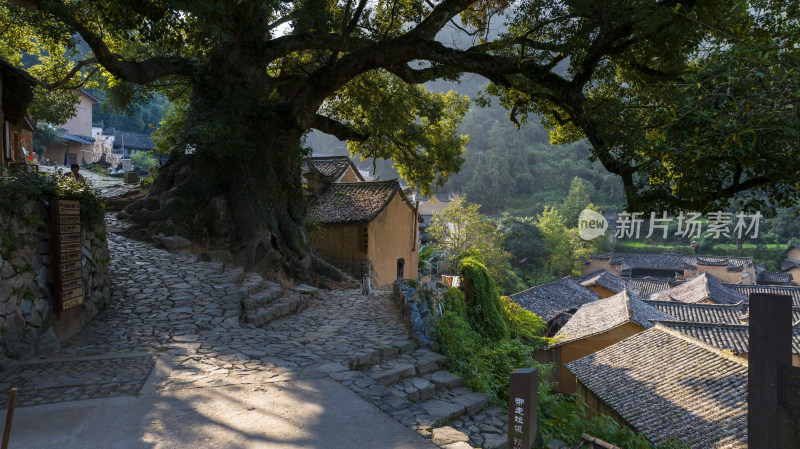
(251, 206)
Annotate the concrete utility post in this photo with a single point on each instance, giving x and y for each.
(773, 399)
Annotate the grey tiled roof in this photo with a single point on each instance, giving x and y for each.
(609, 281)
(352, 202)
(129, 140)
(77, 138)
(788, 264)
(700, 288)
(778, 278)
(788, 290)
(665, 384)
(730, 337)
(701, 313)
(606, 314)
(548, 300)
(649, 286)
(673, 262)
(330, 167)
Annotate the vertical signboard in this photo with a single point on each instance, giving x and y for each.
(522, 402)
(66, 244)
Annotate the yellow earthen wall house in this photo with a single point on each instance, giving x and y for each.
(367, 228)
(793, 253)
(581, 348)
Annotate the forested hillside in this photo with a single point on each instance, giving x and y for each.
(505, 169)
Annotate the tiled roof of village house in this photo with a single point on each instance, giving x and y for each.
(17, 91)
(701, 313)
(700, 288)
(606, 314)
(778, 278)
(728, 337)
(352, 202)
(789, 264)
(548, 300)
(673, 262)
(129, 140)
(665, 384)
(748, 289)
(607, 280)
(330, 167)
(649, 286)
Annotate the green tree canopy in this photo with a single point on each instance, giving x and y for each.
(577, 199)
(256, 75)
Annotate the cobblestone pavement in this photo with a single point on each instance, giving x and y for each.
(181, 320)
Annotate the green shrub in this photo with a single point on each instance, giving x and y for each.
(523, 324)
(484, 311)
(453, 301)
(17, 188)
(146, 183)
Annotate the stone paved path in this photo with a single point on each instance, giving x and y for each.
(175, 323)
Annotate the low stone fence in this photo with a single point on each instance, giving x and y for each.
(28, 321)
(417, 314)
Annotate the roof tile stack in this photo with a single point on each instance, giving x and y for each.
(554, 298)
(606, 314)
(665, 384)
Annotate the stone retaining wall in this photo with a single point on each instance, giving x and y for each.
(416, 314)
(28, 323)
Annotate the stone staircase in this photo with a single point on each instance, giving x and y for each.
(263, 300)
(409, 384)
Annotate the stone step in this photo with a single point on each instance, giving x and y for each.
(373, 357)
(286, 305)
(416, 388)
(251, 283)
(445, 379)
(261, 298)
(390, 372)
(427, 361)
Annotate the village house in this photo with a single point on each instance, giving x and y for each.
(606, 284)
(319, 171)
(648, 286)
(78, 144)
(366, 228)
(772, 278)
(704, 288)
(793, 252)
(666, 385)
(125, 143)
(792, 267)
(702, 313)
(731, 337)
(671, 266)
(16, 135)
(596, 325)
(555, 302)
(788, 290)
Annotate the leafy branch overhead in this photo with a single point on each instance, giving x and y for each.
(607, 71)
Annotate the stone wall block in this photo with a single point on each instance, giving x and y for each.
(13, 327)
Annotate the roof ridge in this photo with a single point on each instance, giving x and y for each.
(726, 355)
(697, 304)
(703, 324)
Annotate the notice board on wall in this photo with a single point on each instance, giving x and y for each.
(66, 244)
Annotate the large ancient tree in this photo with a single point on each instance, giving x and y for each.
(256, 75)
